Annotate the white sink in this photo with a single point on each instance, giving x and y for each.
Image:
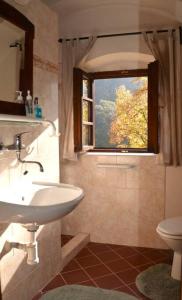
(38, 202)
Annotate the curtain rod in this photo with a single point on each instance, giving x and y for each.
(122, 34)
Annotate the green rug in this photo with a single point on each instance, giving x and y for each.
(79, 292)
(156, 283)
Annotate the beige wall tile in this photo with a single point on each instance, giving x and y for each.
(121, 206)
(173, 192)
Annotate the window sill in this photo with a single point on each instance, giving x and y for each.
(117, 154)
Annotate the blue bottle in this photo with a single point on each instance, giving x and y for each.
(37, 109)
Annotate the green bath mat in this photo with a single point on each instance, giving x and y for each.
(156, 283)
(79, 292)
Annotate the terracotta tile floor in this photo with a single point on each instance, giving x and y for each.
(108, 266)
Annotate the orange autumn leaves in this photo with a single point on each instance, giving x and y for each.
(129, 125)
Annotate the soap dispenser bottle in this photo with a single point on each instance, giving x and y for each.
(19, 98)
(29, 105)
(37, 109)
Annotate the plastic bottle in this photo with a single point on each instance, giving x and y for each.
(19, 98)
(37, 109)
(29, 105)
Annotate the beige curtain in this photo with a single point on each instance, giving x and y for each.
(74, 54)
(166, 49)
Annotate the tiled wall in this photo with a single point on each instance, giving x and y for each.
(121, 206)
(173, 192)
(18, 280)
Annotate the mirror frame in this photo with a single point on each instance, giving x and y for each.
(12, 15)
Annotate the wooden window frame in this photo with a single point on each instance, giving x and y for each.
(78, 98)
(151, 73)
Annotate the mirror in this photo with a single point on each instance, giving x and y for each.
(16, 59)
(12, 48)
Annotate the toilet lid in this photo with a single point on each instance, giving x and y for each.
(171, 226)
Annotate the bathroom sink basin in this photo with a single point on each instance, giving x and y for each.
(38, 202)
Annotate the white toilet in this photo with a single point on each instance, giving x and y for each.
(170, 230)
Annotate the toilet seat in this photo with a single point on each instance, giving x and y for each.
(171, 227)
(169, 236)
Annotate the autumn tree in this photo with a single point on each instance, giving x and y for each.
(129, 126)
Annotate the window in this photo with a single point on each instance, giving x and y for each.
(83, 111)
(116, 111)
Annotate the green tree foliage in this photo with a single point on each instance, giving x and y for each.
(128, 128)
(105, 111)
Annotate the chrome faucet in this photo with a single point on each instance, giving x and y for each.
(18, 146)
(18, 155)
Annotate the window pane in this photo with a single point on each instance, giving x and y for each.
(86, 134)
(85, 88)
(121, 112)
(85, 111)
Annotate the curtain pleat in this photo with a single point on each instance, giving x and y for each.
(166, 49)
(74, 54)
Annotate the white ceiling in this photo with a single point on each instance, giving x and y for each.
(84, 17)
(94, 17)
(64, 7)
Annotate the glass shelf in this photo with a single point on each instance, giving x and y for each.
(19, 120)
(9, 120)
